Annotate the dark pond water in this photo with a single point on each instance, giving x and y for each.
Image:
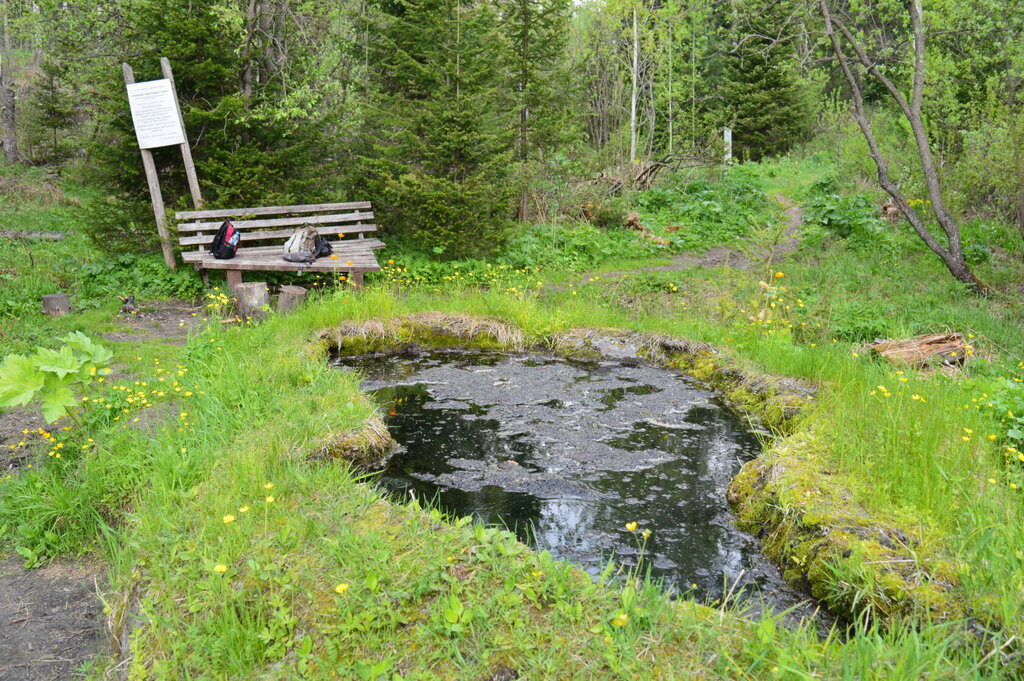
(566, 453)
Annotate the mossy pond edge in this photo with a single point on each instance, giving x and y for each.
(858, 565)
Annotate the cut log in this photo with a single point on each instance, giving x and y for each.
(291, 297)
(56, 304)
(41, 236)
(948, 349)
(253, 299)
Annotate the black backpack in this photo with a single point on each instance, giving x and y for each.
(323, 247)
(225, 242)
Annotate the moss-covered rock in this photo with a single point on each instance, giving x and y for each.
(857, 564)
(367, 449)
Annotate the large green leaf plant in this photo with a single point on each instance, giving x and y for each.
(54, 376)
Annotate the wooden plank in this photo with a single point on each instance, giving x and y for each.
(42, 236)
(341, 248)
(278, 222)
(197, 256)
(270, 210)
(328, 264)
(273, 234)
(186, 152)
(154, 189)
(284, 266)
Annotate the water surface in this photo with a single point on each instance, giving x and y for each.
(565, 453)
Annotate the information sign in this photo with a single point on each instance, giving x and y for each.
(155, 114)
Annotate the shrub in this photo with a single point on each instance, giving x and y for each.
(121, 224)
(701, 214)
(145, 276)
(571, 248)
(857, 321)
(844, 216)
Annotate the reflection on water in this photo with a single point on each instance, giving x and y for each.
(566, 453)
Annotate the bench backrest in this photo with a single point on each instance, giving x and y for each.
(274, 224)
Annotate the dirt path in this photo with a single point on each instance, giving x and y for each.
(724, 256)
(167, 320)
(719, 256)
(50, 620)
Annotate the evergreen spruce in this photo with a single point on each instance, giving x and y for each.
(762, 93)
(53, 111)
(539, 75)
(439, 152)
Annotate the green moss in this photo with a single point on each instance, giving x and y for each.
(367, 449)
(857, 564)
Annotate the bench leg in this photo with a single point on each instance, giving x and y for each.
(234, 278)
(356, 278)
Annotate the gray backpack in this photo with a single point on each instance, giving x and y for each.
(302, 246)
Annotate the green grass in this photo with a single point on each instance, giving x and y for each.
(259, 406)
(435, 597)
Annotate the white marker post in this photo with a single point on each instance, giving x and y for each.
(158, 123)
(727, 137)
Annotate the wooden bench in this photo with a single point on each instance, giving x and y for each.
(348, 226)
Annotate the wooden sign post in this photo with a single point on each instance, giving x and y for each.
(158, 123)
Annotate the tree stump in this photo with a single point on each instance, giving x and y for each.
(253, 299)
(291, 297)
(56, 304)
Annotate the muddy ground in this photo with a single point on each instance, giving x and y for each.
(168, 321)
(51, 618)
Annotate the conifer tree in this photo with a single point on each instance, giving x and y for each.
(439, 148)
(53, 109)
(761, 90)
(539, 72)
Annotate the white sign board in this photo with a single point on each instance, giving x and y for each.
(155, 114)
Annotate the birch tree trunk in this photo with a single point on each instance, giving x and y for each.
(8, 118)
(634, 92)
(952, 252)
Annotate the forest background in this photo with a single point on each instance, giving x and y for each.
(458, 118)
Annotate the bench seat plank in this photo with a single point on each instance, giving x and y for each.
(341, 248)
(366, 263)
(270, 210)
